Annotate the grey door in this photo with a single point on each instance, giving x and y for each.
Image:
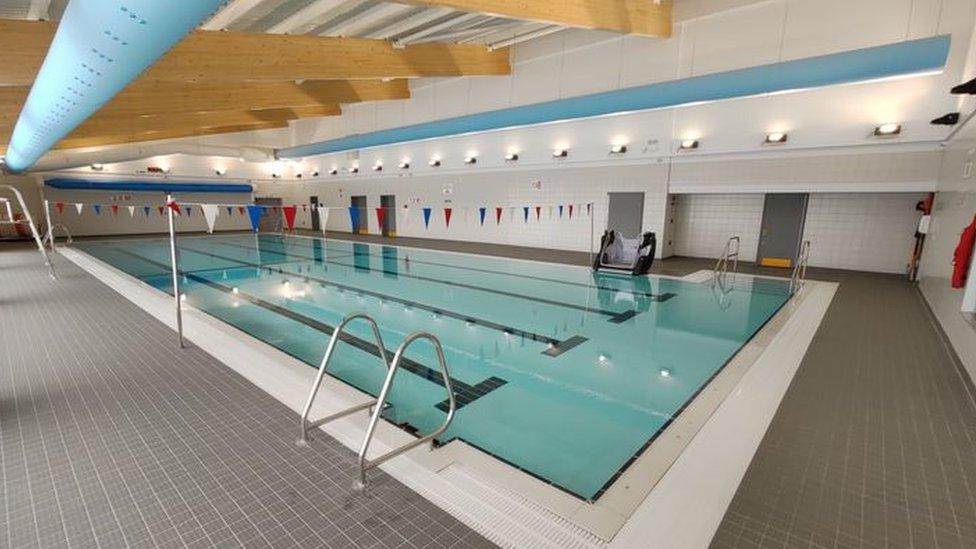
(625, 213)
(782, 228)
(359, 202)
(314, 201)
(270, 217)
(388, 203)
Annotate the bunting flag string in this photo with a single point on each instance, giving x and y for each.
(354, 218)
(560, 211)
(290, 212)
(161, 210)
(589, 209)
(79, 207)
(146, 210)
(174, 206)
(570, 211)
(525, 213)
(230, 211)
(241, 210)
(210, 212)
(380, 216)
(254, 215)
(498, 216)
(538, 212)
(189, 211)
(427, 218)
(59, 206)
(132, 210)
(115, 209)
(97, 208)
(447, 217)
(481, 213)
(323, 217)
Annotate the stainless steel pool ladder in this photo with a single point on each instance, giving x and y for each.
(799, 275)
(49, 236)
(336, 334)
(379, 404)
(730, 254)
(29, 221)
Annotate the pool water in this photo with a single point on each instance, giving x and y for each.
(564, 373)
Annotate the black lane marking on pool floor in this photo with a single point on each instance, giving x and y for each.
(464, 394)
(543, 300)
(637, 293)
(564, 346)
(551, 341)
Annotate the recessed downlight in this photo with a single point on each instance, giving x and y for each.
(774, 138)
(888, 129)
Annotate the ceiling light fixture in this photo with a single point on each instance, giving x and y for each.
(97, 167)
(888, 129)
(353, 169)
(688, 145)
(405, 164)
(435, 162)
(775, 138)
(471, 159)
(618, 149)
(511, 157)
(560, 153)
(334, 171)
(378, 167)
(220, 171)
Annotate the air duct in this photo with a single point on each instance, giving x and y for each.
(98, 49)
(65, 159)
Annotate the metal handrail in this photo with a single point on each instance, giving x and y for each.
(799, 275)
(30, 223)
(365, 464)
(730, 253)
(336, 333)
(49, 235)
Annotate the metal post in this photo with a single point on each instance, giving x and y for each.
(174, 262)
(592, 215)
(50, 226)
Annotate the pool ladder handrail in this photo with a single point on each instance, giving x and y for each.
(799, 275)
(49, 236)
(730, 253)
(324, 365)
(367, 464)
(29, 221)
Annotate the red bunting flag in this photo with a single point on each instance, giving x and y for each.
(174, 206)
(115, 209)
(290, 212)
(570, 211)
(538, 212)
(498, 216)
(380, 216)
(447, 217)
(240, 210)
(59, 206)
(162, 210)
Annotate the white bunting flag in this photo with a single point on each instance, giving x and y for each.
(323, 217)
(210, 212)
(132, 211)
(79, 207)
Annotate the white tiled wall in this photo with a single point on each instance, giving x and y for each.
(512, 190)
(859, 231)
(704, 222)
(862, 231)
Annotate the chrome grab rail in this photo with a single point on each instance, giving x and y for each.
(730, 253)
(365, 464)
(29, 221)
(49, 235)
(799, 275)
(336, 333)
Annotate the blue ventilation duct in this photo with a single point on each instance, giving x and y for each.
(893, 60)
(100, 46)
(149, 186)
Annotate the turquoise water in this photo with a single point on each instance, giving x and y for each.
(561, 372)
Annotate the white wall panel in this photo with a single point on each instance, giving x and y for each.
(818, 27)
(704, 222)
(861, 231)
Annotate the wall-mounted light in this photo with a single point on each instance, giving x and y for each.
(378, 167)
(97, 167)
(315, 173)
(334, 171)
(618, 149)
(560, 153)
(275, 175)
(775, 138)
(353, 169)
(298, 175)
(888, 129)
(404, 164)
(688, 145)
(435, 162)
(220, 170)
(512, 157)
(471, 159)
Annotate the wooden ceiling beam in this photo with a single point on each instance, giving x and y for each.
(233, 57)
(642, 17)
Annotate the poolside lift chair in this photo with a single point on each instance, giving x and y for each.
(619, 253)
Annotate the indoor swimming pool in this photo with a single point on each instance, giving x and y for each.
(563, 373)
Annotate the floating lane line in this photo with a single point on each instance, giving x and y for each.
(464, 393)
(583, 308)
